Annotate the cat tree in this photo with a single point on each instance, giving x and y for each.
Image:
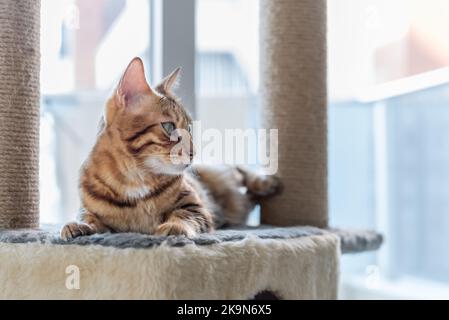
(19, 114)
(293, 87)
(300, 261)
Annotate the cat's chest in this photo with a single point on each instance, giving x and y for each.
(144, 217)
(144, 209)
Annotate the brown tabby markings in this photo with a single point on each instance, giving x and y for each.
(129, 183)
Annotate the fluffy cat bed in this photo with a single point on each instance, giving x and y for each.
(351, 241)
(293, 263)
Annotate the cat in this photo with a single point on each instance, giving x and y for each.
(131, 183)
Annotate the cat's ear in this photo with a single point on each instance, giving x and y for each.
(170, 82)
(132, 83)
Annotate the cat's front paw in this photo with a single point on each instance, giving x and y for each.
(74, 229)
(175, 229)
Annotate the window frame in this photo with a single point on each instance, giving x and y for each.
(168, 39)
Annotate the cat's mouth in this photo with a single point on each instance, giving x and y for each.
(182, 159)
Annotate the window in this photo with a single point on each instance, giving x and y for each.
(227, 63)
(388, 116)
(85, 46)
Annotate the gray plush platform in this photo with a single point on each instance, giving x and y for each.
(352, 241)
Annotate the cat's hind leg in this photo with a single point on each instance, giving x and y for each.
(225, 188)
(235, 190)
(259, 185)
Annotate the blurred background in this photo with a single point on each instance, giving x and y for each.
(388, 113)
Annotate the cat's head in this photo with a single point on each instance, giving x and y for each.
(151, 124)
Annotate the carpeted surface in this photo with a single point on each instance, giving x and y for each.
(352, 241)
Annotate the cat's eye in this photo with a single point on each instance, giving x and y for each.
(169, 127)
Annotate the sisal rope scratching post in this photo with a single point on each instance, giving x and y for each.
(293, 85)
(19, 114)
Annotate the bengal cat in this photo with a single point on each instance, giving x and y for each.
(132, 180)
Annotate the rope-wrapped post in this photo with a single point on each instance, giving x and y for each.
(293, 88)
(19, 113)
